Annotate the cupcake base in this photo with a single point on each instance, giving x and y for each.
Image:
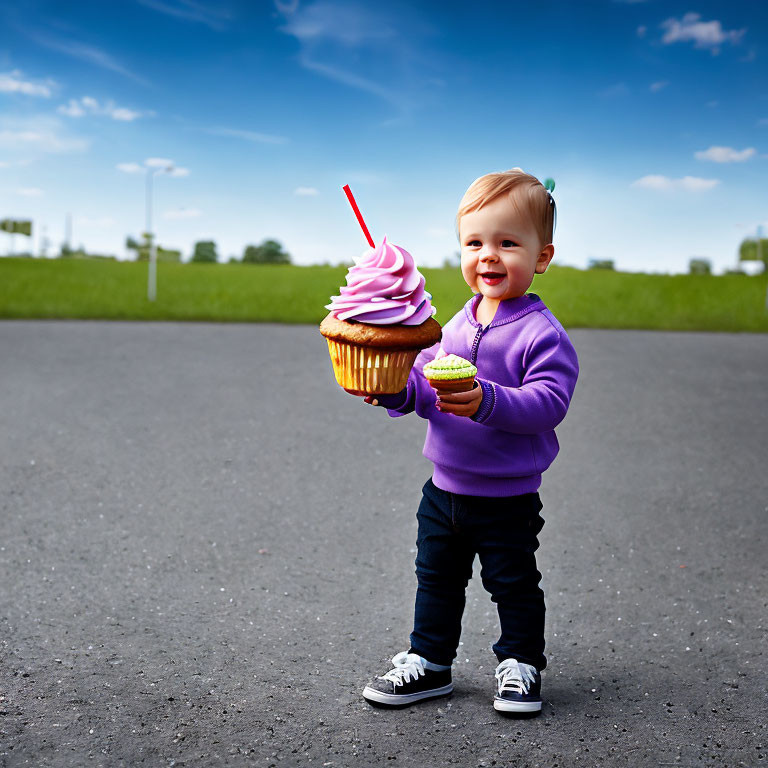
(446, 386)
(370, 370)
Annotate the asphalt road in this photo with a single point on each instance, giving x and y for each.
(206, 550)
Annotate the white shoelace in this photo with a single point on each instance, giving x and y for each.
(408, 667)
(514, 676)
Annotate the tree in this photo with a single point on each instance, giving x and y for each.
(168, 255)
(601, 264)
(205, 251)
(72, 253)
(15, 226)
(700, 267)
(142, 250)
(748, 251)
(269, 252)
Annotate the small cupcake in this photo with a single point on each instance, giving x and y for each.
(380, 322)
(450, 374)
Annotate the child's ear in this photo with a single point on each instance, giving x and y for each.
(542, 262)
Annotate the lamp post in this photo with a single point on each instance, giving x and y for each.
(152, 279)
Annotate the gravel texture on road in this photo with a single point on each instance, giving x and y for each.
(207, 550)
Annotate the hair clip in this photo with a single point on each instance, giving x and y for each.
(549, 185)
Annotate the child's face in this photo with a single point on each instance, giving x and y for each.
(500, 250)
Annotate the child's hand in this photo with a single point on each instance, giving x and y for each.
(461, 403)
(370, 399)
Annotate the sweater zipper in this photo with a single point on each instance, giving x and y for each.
(476, 343)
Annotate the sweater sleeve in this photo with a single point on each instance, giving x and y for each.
(417, 392)
(540, 403)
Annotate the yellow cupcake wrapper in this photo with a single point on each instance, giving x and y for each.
(371, 371)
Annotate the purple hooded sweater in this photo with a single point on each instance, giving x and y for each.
(527, 368)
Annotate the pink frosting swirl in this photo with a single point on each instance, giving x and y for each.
(383, 288)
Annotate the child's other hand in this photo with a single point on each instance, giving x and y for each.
(461, 403)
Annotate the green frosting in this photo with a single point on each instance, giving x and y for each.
(450, 367)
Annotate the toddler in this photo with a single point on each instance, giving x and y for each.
(489, 447)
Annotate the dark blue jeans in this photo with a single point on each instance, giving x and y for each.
(503, 532)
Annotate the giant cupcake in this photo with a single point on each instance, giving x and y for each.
(380, 322)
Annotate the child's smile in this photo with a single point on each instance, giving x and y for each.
(492, 278)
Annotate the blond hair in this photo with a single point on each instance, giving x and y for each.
(525, 192)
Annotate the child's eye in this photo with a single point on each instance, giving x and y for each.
(474, 243)
(508, 243)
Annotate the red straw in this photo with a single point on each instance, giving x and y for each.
(348, 193)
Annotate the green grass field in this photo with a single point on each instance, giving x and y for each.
(81, 288)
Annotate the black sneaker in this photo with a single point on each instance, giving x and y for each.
(518, 687)
(407, 683)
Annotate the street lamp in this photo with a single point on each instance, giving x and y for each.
(153, 166)
(152, 170)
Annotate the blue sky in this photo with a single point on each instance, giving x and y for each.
(652, 117)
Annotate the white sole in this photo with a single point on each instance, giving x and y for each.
(502, 705)
(401, 699)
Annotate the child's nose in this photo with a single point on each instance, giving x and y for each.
(488, 253)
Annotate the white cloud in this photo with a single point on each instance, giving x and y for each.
(161, 163)
(191, 10)
(697, 184)
(703, 34)
(40, 133)
(349, 23)
(88, 105)
(20, 163)
(73, 109)
(688, 183)
(613, 91)
(354, 81)
(30, 192)
(182, 213)
(124, 114)
(659, 85)
(287, 8)
(14, 82)
(332, 32)
(653, 182)
(84, 52)
(725, 154)
(305, 191)
(763, 121)
(130, 168)
(641, 30)
(257, 138)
